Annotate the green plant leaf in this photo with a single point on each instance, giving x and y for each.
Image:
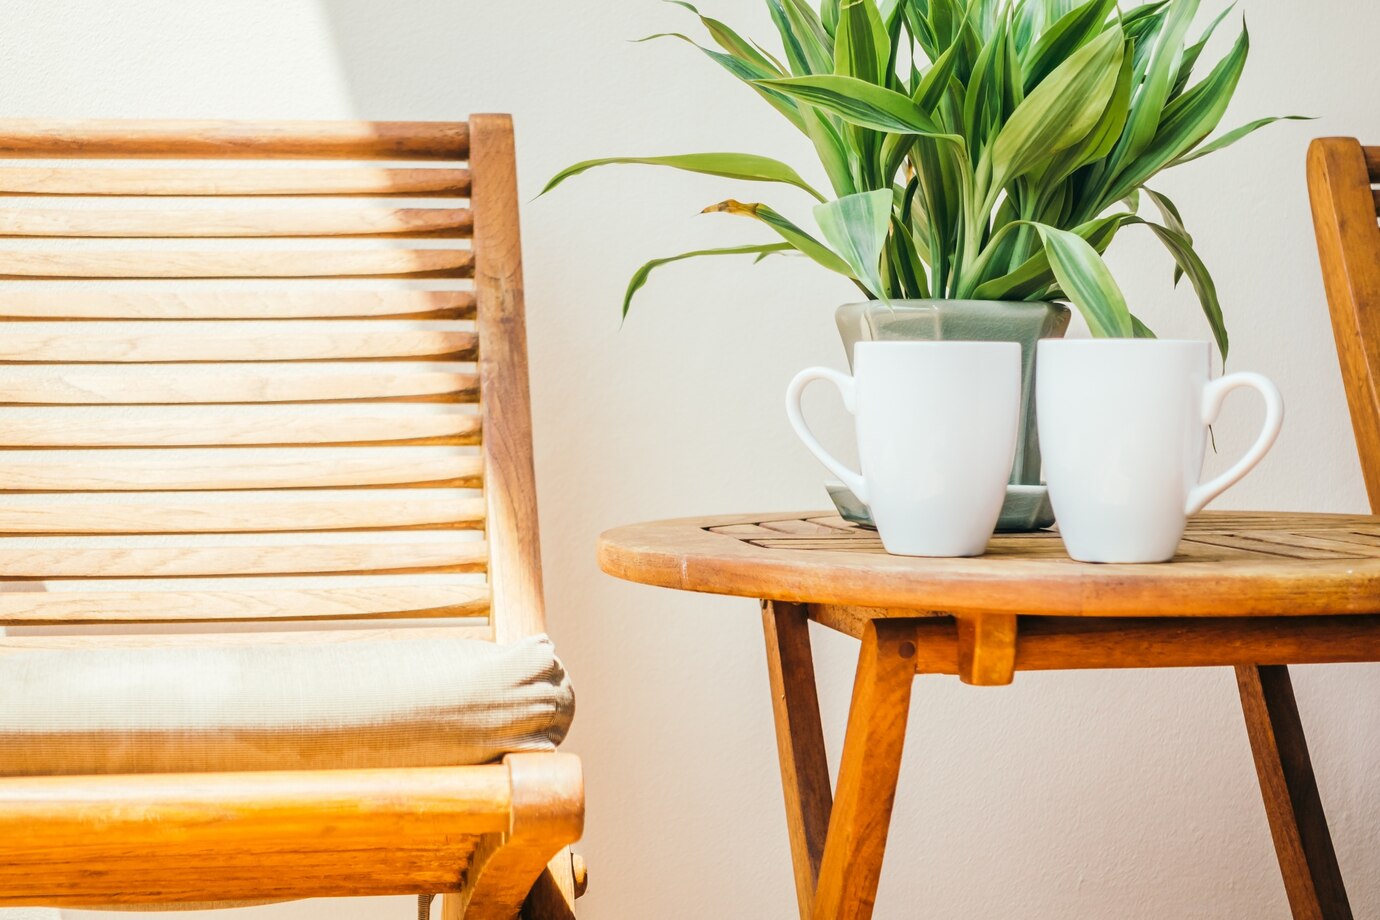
(729, 40)
(1195, 51)
(1186, 122)
(787, 230)
(745, 71)
(639, 277)
(1086, 280)
(856, 227)
(862, 48)
(745, 166)
(1072, 31)
(809, 49)
(860, 103)
(1139, 330)
(1234, 135)
(1149, 99)
(1061, 111)
(1169, 213)
(934, 84)
(1181, 248)
(1034, 275)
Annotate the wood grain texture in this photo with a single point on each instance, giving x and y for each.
(1021, 573)
(1046, 643)
(1297, 822)
(1349, 251)
(547, 814)
(260, 382)
(136, 602)
(194, 469)
(275, 554)
(554, 893)
(201, 837)
(107, 302)
(224, 181)
(71, 841)
(449, 223)
(230, 340)
(244, 512)
(235, 425)
(264, 263)
(190, 640)
(510, 479)
(174, 453)
(987, 649)
(799, 743)
(355, 140)
(868, 770)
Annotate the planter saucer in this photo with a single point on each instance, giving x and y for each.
(1026, 508)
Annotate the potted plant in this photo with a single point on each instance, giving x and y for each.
(981, 156)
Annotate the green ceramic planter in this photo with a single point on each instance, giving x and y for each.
(1024, 322)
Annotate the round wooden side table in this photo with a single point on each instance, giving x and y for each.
(1256, 591)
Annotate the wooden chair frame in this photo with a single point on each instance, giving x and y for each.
(488, 838)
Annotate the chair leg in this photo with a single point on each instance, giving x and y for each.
(1297, 822)
(853, 851)
(799, 742)
(553, 896)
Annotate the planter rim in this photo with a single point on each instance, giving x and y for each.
(957, 300)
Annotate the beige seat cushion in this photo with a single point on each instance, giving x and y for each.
(388, 702)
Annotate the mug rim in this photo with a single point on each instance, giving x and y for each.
(1082, 343)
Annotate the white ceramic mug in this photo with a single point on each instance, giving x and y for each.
(1123, 426)
(936, 425)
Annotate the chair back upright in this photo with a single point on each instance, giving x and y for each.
(282, 378)
(1342, 176)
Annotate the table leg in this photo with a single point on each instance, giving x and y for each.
(799, 742)
(1297, 822)
(853, 850)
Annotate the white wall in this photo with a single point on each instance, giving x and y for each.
(1065, 795)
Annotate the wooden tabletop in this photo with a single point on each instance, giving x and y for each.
(1229, 564)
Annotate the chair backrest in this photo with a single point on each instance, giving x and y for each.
(234, 388)
(1341, 176)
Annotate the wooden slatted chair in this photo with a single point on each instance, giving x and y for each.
(1341, 176)
(314, 435)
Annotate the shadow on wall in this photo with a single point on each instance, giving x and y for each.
(428, 59)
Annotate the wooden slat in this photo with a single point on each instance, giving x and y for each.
(108, 303)
(288, 340)
(261, 382)
(238, 139)
(212, 181)
(262, 554)
(188, 837)
(134, 603)
(232, 425)
(453, 223)
(266, 263)
(177, 469)
(243, 512)
(80, 641)
(1375, 198)
(1372, 155)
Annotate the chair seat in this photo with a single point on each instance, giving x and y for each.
(261, 704)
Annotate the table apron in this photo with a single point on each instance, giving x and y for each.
(948, 644)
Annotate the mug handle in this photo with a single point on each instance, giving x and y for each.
(1213, 395)
(853, 480)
